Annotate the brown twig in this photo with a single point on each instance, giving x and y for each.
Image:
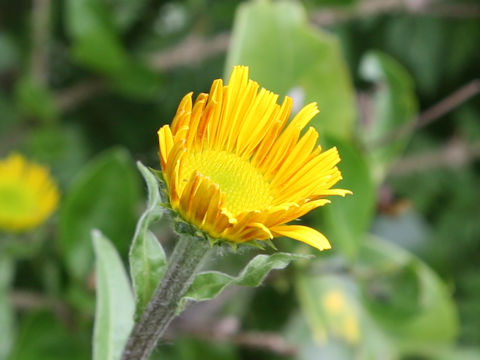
(40, 39)
(227, 330)
(69, 98)
(330, 16)
(27, 300)
(453, 10)
(434, 113)
(193, 50)
(455, 153)
(265, 341)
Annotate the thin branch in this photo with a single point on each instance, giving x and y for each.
(434, 113)
(330, 16)
(453, 10)
(454, 154)
(265, 341)
(193, 50)
(40, 38)
(69, 98)
(227, 330)
(27, 300)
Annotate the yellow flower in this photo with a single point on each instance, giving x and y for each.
(27, 194)
(238, 172)
(341, 316)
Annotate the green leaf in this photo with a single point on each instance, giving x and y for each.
(346, 220)
(208, 285)
(137, 81)
(147, 258)
(394, 106)
(125, 12)
(115, 304)
(285, 53)
(97, 45)
(414, 308)
(36, 100)
(6, 309)
(104, 195)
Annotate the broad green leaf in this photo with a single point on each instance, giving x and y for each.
(96, 44)
(346, 220)
(147, 258)
(43, 336)
(6, 310)
(125, 12)
(137, 81)
(36, 100)
(409, 302)
(104, 195)
(115, 304)
(394, 106)
(208, 285)
(286, 54)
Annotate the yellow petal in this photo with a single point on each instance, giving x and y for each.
(304, 234)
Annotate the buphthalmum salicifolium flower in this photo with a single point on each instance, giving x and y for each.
(28, 194)
(238, 170)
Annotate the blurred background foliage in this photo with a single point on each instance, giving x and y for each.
(85, 84)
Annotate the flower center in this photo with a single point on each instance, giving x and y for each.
(14, 201)
(244, 186)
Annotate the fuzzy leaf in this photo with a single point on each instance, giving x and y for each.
(208, 285)
(115, 304)
(147, 258)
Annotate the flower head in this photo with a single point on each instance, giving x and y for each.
(342, 319)
(27, 194)
(237, 170)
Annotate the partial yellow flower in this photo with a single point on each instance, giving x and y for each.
(341, 316)
(236, 170)
(28, 195)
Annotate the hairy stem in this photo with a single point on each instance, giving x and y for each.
(187, 258)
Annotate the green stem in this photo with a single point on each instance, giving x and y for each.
(187, 258)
